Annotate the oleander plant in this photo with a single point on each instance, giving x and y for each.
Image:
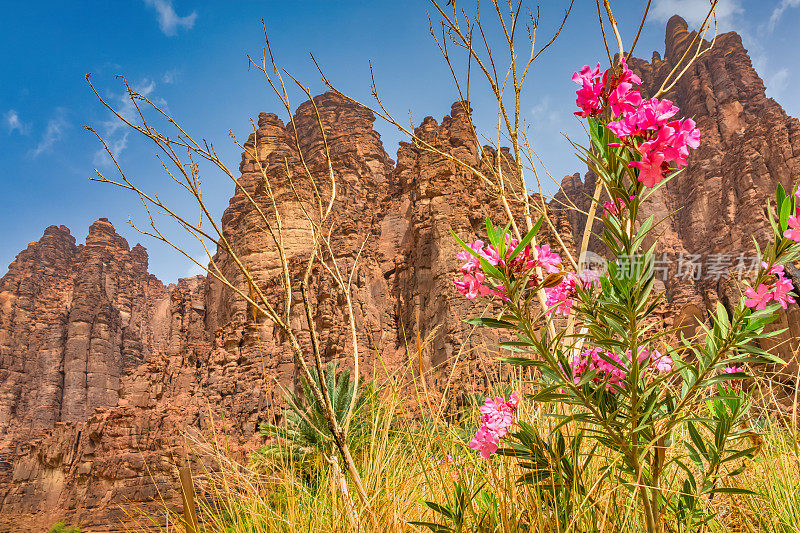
(662, 419)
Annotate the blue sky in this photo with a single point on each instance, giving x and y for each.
(190, 56)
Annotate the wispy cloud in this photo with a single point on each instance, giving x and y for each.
(695, 11)
(544, 113)
(168, 19)
(777, 13)
(778, 82)
(14, 123)
(52, 133)
(170, 76)
(113, 129)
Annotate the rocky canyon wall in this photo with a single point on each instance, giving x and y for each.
(104, 369)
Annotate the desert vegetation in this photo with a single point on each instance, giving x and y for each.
(601, 418)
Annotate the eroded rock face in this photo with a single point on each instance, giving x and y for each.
(104, 370)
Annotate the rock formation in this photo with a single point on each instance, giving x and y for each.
(104, 369)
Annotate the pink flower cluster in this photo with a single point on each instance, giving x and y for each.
(497, 416)
(760, 297)
(645, 125)
(473, 283)
(658, 139)
(608, 365)
(653, 360)
(561, 297)
(612, 369)
(607, 91)
(733, 369)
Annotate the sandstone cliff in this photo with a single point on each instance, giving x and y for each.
(104, 369)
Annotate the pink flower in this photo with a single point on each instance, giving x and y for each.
(758, 298)
(590, 278)
(781, 291)
(471, 285)
(776, 270)
(654, 359)
(609, 209)
(621, 98)
(733, 369)
(472, 262)
(662, 363)
(550, 261)
(486, 441)
(794, 231)
(497, 416)
(578, 365)
(651, 115)
(608, 367)
(591, 83)
(513, 400)
(561, 297)
(651, 167)
(491, 255)
(686, 136)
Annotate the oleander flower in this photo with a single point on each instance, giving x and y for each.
(621, 98)
(561, 297)
(794, 228)
(550, 261)
(472, 262)
(471, 285)
(591, 82)
(590, 278)
(776, 270)
(758, 298)
(497, 416)
(652, 165)
(653, 359)
(486, 441)
(781, 291)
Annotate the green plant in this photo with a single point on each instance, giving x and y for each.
(305, 433)
(62, 527)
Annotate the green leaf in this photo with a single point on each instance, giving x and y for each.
(522, 361)
(436, 528)
(785, 210)
(490, 231)
(490, 323)
(439, 509)
(527, 239)
(463, 244)
(731, 490)
(746, 453)
(697, 439)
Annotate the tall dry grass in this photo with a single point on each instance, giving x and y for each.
(409, 455)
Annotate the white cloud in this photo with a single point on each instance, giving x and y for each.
(168, 19)
(52, 133)
(116, 145)
(170, 76)
(13, 122)
(114, 130)
(777, 13)
(544, 113)
(695, 11)
(778, 82)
